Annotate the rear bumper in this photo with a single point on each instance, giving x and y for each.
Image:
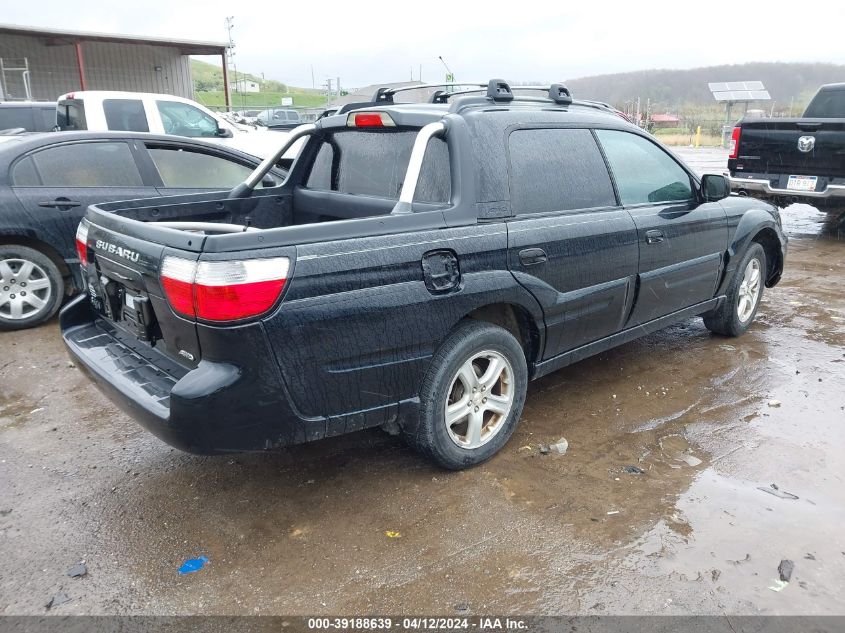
(217, 407)
(764, 186)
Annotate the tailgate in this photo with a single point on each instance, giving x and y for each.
(122, 278)
(770, 146)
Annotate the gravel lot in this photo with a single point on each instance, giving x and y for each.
(709, 421)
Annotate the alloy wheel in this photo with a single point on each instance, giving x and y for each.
(480, 398)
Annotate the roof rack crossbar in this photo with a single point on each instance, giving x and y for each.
(386, 94)
(441, 96)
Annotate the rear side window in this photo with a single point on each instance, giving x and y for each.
(126, 115)
(15, 117)
(557, 170)
(827, 104)
(79, 165)
(189, 169)
(643, 171)
(374, 164)
(70, 115)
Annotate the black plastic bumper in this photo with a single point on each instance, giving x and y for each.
(238, 405)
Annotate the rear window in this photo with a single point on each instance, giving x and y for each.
(70, 115)
(125, 115)
(557, 170)
(374, 164)
(827, 104)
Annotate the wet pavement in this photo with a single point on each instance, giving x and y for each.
(656, 508)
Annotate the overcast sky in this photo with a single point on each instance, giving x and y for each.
(366, 41)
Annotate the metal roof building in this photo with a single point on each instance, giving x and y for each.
(41, 64)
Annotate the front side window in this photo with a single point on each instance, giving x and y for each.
(183, 119)
(374, 164)
(644, 173)
(125, 115)
(79, 165)
(184, 168)
(557, 170)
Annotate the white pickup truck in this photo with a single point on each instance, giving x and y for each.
(100, 110)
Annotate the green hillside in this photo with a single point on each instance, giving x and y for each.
(786, 82)
(209, 89)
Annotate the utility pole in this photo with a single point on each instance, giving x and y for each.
(450, 76)
(230, 54)
(313, 85)
(328, 92)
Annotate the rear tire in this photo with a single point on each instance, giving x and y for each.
(31, 287)
(743, 297)
(471, 397)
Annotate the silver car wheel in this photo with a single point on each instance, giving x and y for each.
(749, 290)
(480, 398)
(25, 289)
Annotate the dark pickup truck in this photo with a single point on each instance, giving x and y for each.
(420, 264)
(794, 160)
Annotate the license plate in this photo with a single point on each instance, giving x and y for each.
(802, 183)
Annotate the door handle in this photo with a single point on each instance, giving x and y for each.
(531, 256)
(654, 237)
(60, 203)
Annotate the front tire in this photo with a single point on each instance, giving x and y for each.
(471, 397)
(743, 297)
(31, 287)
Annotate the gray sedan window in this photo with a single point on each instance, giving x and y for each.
(108, 164)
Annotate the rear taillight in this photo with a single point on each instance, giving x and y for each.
(734, 146)
(82, 243)
(224, 290)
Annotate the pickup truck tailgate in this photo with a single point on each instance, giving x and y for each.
(770, 146)
(125, 289)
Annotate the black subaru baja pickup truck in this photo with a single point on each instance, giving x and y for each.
(419, 265)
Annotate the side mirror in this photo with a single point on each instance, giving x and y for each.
(268, 181)
(224, 132)
(715, 187)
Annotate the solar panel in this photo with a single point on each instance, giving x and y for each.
(742, 95)
(739, 91)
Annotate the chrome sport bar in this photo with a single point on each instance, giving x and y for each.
(412, 174)
(244, 189)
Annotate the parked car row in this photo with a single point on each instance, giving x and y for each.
(47, 181)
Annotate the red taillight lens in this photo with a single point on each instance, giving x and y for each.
(82, 243)
(734, 146)
(177, 280)
(228, 303)
(369, 119)
(224, 290)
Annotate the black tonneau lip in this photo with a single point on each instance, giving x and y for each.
(174, 238)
